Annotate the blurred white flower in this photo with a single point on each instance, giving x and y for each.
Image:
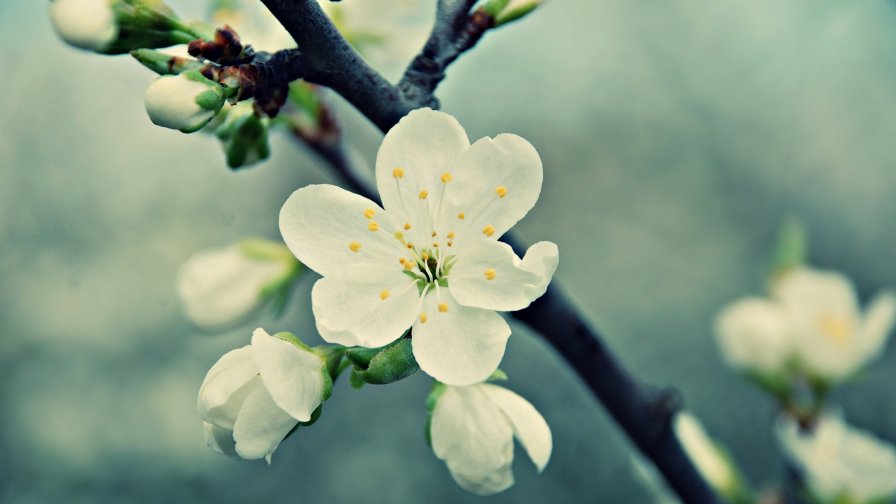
(705, 454)
(185, 102)
(219, 288)
(88, 24)
(431, 259)
(472, 430)
(255, 395)
(839, 463)
(755, 336)
(834, 339)
(811, 319)
(255, 25)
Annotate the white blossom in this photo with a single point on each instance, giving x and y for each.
(185, 102)
(834, 339)
(88, 24)
(255, 395)
(840, 463)
(472, 430)
(431, 259)
(219, 288)
(812, 319)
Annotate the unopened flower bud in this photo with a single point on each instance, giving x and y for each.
(244, 136)
(184, 102)
(118, 26)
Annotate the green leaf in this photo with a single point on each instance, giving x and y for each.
(791, 247)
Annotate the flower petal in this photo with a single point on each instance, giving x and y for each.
(291, 374)
(226, 386)
(528, 424)
(351, 315)
(219, 440)
(412, 158)
(496, 183)
(219, 288)
(460, 345)
(877, 323)
(261, 426)
(484, 484)
(340, 234)
(808, 294)
(489, 275)
(470, 433)
(755, 334)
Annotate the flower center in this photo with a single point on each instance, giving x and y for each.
(835, 327)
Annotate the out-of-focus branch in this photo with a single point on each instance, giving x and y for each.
(324, 57)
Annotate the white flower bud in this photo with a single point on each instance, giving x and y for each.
(755, 335)
(219, 288)
(706, 455)
(88, 24)
(184, 102)
(472, 430)
(255, 395)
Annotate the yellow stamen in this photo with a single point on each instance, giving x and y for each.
(423, 318)
(424, 256)
(409, 245)
(408, 265)
(384, 294)
(450, 243)
(461, 216)
(435, 245)
(501, 191)
(398, 173)
(399, 235)
(443, 307)
(354, 246)
(434, 234)
(835, 328)
(373, 226)
(407, 226)
(446, 177)
(369, 213)
(423, 194)
(488, 230)
(451, 236)
(490, 274)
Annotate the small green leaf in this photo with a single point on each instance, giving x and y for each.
(498, 375)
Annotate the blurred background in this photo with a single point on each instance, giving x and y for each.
(675, 137)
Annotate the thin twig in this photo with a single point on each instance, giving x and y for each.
(644, 413)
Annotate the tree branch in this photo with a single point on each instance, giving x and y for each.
(644, 413)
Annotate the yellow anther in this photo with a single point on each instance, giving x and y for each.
(410, 245)
(450, 243)
(408, 265)
(446, 177)
(398, 173)
(423, 318)
(461, 216)
(399, 235)
(354, 246)
(490, 274)
(488, 230)
(424, 256)
(435, 245)
(384, 294)
(501, 191)
(369, 213)
(423, 194)
(434, 234)
(407, 226)
(451, 236)
(373, 226)
(443, 307)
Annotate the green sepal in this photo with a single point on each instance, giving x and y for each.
(494, 7)
(315, 415)
(146, 24)
(791, 247)
(498, 375)
(304, 96)
(164, 64)
(266, 250)
(355, 380)
(432, 399)
(292, 338)
(332, 356)
(388, 364)
(511, 15)
(244, 136)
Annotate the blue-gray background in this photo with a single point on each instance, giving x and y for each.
(675, 136)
